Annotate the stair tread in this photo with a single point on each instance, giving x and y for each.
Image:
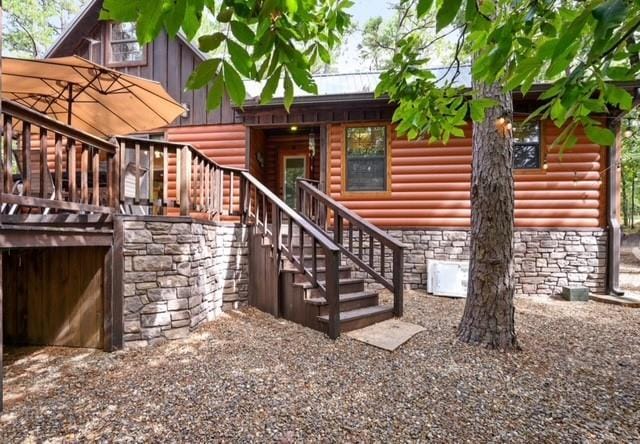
(319, 269)
(359, 313)
(341, 281)
(345, 297)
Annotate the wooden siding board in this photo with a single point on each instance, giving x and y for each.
(430, 185)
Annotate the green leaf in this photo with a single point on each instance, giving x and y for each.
(211, 42)
(242, 32)
(149, 23)
(292, 6)
(599, 135)
(447, 12)
(288, 91)
(240, 58)
(192, 20)
(225, 14)
(203, 73)
(477, 108)
(619, 97)
(234, 84)
(216, 92)
(174, 17)
(324, 54)
(270, 86)
(423, 7)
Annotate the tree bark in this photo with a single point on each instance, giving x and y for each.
(488, 318)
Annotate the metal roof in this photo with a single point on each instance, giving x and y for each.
(353, 83)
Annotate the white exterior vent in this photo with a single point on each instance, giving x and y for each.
(447, 278)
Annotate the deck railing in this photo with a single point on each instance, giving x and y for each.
(84, 176)
(364, 244)
(270, 214)
(163, 175)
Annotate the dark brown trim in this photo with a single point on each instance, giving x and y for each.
(107, 300)
(117, 287)
(36, 202)
(38, 237)
(1, 339)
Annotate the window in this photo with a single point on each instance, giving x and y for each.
(125, 48)
(526, 145)
(366, 158)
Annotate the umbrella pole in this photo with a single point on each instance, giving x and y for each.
(69, 103)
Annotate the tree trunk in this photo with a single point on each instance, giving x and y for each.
(488, 318)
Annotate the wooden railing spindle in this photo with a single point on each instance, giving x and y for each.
(71, 170)
(84, 173)
(26, 158)
(8, 154)
(44, 166)
(96, 177)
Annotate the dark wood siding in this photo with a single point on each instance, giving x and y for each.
(168, 61)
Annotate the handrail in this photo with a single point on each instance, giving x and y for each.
(79, 176)
(269, 210)
(42, 121)
(316, 205)
(201, 184)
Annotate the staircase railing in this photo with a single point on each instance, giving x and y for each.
(364, 244)
(162, 175)
(269, 214)
(84, 166)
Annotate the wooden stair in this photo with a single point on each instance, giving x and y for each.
(304, 303)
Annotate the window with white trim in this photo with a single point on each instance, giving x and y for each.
(124, 45)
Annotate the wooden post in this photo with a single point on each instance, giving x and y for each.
(332, 262)
(398, 281)
(185, 165)
(26, 158)
(58, 166)
(84, 173)
(44, 166)
(152, 153)
(123, 170)
(96, 176)
(71, 170)
(1, 339)
(136, 200)
(8, 155)
(165, 177)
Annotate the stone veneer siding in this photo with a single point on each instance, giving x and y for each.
(544, 262)
(179, 273)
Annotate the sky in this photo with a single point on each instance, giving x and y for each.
(361, 12)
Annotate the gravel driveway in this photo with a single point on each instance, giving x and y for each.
(250, 377)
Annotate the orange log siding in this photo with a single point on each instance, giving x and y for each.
(430, 184)
(226, 144)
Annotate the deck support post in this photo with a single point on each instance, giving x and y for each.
(185, 182)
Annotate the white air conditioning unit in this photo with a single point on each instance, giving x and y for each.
(447, 278)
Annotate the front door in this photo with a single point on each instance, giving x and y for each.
(293, 166)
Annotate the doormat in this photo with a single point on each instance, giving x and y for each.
(387, 335)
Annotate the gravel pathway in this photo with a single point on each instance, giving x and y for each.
(250, 377)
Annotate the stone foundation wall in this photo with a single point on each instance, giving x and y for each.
(545, 260)
(178, 274)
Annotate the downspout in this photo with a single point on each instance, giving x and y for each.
(614, 235)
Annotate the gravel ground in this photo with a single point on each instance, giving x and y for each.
(250, 377)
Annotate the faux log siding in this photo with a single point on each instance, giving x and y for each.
(430, 185)
(226, 144)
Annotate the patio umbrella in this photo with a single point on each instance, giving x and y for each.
(88, 96)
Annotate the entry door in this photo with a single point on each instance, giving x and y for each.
(293, 166)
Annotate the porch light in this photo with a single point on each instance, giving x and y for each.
(293, 128)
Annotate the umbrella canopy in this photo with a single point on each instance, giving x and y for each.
(88, 96)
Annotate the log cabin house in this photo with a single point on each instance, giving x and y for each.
(195, 218)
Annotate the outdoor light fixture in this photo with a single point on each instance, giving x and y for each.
(187, 110)
(293, 128)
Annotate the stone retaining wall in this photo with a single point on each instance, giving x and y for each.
(179, 273)
(545, 260)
